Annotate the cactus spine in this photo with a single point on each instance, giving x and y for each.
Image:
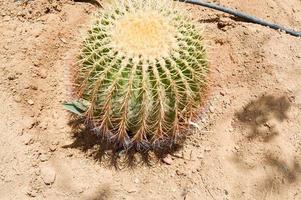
(143, 70)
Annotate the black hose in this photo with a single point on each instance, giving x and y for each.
(243, 16)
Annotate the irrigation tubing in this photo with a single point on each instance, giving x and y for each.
(244, 16)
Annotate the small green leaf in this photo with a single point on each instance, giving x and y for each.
(78, 107)
(82, 104)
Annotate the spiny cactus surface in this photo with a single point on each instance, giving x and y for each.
(143, 71)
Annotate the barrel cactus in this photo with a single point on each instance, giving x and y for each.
(142, 72)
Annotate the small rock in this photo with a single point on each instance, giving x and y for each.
(33, 87)
(200, 156)
(227, 101)
(30, 102)
(20, 14)
(226, 192)
(245, 32)
(63, 40)
(28, 140)
(196, 145)
(271, 123)
(34, 163)
(178, 154)
(136, 180)
(180, 173)
(43, 125)
(52, 147)
(12, 77)
(48, 175)
(132, 189)
(18, 99)
(222, 93)
(32, 193)
(43, 73)
(44, 157)
(207, 149)
(38, 172)
(167, 160)
(6, 18)
(70, 154)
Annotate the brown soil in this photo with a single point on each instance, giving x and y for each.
(249, 145)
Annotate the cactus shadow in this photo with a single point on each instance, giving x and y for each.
(262, 115)
(260, 119)
(106, 152)
(289, 171)
(282, 174)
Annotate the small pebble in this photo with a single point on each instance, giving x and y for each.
(43, 73)
(18, 99)
(48, 175)
(6, 18)
(207, 149)
(12, 77)
(178, 154)
(200, 156)
(30, 102)
(32, 193)
(211, 109)
(44, 157)
(167, 160)
(28, 141)
(33, 87)
(70, 154)
(132, 189)
(52, 148)
(180, 173)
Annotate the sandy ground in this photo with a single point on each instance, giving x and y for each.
(250, 143)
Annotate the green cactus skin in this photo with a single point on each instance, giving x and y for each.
(143, 70)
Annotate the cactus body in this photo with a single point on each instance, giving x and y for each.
(143, 70)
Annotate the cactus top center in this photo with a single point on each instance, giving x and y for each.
(144, 34)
